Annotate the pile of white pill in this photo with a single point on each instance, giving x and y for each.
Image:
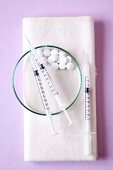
(57, 58)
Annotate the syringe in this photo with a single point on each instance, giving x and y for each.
(49, 82)
(42, 93)
(88, 128)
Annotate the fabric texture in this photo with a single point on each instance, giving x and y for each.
(76, 35)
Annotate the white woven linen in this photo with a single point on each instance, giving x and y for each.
(76, 35)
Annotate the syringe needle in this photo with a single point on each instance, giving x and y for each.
(63, 109)
(30, 46)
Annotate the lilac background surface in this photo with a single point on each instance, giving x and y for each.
(11, 117)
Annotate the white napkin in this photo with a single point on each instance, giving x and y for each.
(76, 35)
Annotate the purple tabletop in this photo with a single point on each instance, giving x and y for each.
(11, 117)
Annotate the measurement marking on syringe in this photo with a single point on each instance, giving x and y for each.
(87, 99)
(44, 99)
(88, 118)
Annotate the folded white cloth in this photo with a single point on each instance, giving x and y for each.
(76, 35)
